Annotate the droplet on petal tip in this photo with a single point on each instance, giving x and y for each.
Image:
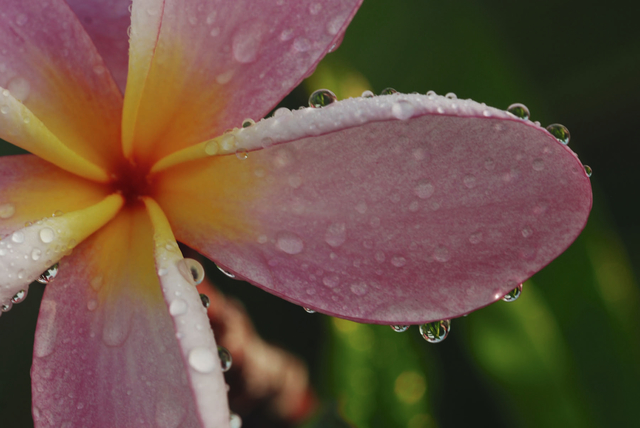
(388, 91)
(588, 170)
(560, 132)
(399, 328)
(225, 359)
(49, 275)
(367, 94)
(519, 110)
(435, 332)
(309, 310)
(191, 270)
(513, 295)
(322, 98)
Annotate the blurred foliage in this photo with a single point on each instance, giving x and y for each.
(567, 353)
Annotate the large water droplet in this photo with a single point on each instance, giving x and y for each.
(18, 237)
(246, 43)
(7, 211)
(19, 296)
(513, 295)
(336, 234)
(289, 242)
(399, 328)
(46, 235)
(322, 98)
(225, 358)
(201, 359)
(178, 307)
(435, 332)
(204, 299)
(402, 110)
(49, 275)
(211, 148)
(519, 110)
(235, 421)
(560, 132)
(191, 270)
(367, 94)
(588, 170)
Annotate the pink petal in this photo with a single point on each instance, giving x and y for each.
(358, 214)
(106, 353)
(106, 23)
(49, 63)
(215, 64)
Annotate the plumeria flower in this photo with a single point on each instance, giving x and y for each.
(395, 209)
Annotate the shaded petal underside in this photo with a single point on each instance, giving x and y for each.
(106, 352)
(386, 221)
(49, 63)
(214, 64)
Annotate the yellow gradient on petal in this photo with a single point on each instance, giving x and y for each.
(172, 107)
(211, 195)
(19, 126)
(82, 223)
(163, 235)
(222, 145)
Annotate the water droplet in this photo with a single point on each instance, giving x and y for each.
(229, 274)
(527, 231)
(402, 110)
(322, 98)
(20, 88)
(301, 44)
(57, 213)
(46, 235)
(513, 295)
(538, 164)
(588, 170)
(225, 358)
(451, 96)
(247, 123)
(242, 154)
(469, 181)
(225, 77)
(201, 359)
(519, 110)
(246, 43)
(398, 261)
(388, 91)
(7, 211)
(399, 328)
(49, 275)
(178, 307)
(7, 307)
(205, 300)
(19, 296)
(441, 254)
(211, 148)
(36, 253)
(367, 94)
(308, 310)
(92, 304)
(560, 132)
(424, 189)
(18, 237)
(235, 421)
(435, 332)
(331, 281)
(4, 109)
(336, 234)
(359, 288)
(289, 242)
(191, 270)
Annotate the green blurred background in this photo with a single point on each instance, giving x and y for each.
(567, 353)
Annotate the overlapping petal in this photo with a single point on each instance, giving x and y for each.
(359, 214)
(106, 22)
(106, 352)
(198, 68)
(49, 63)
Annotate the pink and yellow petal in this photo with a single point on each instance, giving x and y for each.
(106, 353)
(195, 337)
(32, 189)
(31, 250)
(106, 22)
(382, 220)
(214, 65)
(51, 66)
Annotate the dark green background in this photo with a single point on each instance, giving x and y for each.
(566, 354)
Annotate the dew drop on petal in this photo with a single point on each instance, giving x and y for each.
(301, 44)
(309, 310)
(205, 300)
(519, 110)
(46, 235)
(289, 243)
(367, 94)
(331, 281)
(191, 270)
(18, 237)
(322, 98)
(7, 307)
(225, 358)
(201, 359)
(402, 110)
(336, 234)
(513, 295)
(235, 421)
(242, 154)
(20, 88)
(588, 170)
(92, 304)
(36, 253)
(229, 274)
(560, 132)
(178, 307)
(399, 328)
(424, 189)
(388, 91)
(451, 96)
(49, 275)
(398, 261)
(441, 254)
(538, 164)
(7, 211)
(435, 332)
(211, 148)
(19, 296)
(247, 123)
